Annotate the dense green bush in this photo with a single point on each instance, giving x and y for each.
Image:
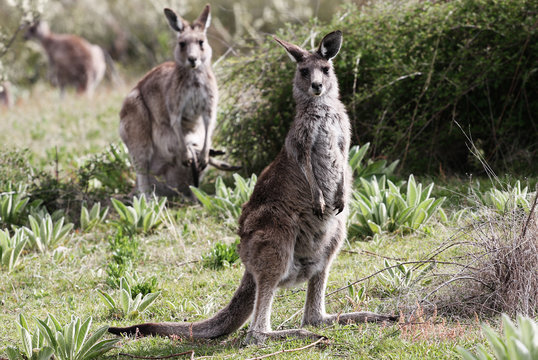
(407, 71)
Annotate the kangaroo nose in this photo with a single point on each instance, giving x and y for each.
(317, 86)
(192, 60)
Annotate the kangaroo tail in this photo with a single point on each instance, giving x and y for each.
(112, 71)
(226, 321)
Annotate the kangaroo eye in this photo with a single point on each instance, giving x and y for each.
(182, 44)
(304, 71)
(201, 42)
(325, 70)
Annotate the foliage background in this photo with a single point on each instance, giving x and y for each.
(409, 73)
(449, 80)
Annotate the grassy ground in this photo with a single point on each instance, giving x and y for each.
(78, 127)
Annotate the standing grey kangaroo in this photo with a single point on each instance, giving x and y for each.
(295, 221)
(73, 61)
(167, 120)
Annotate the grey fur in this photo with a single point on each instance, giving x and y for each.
(167, 120)
(294, 223)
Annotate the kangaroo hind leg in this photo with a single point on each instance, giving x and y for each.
(314, 312)
(268, 255)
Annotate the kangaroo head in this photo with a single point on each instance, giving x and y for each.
(192, 49)
(315, 75)
(37, 30)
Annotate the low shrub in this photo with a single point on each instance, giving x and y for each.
(128, 305)
(505, 200)
(13, 206)
(227, 202)
(397, 278)
(108, 172)
(33, 344)
(497, 265)
(15, 168)
(89, 219)
(221, 255)
(45, 233)
(124, 250)
(11, 248)
(143, 216)
(68, 342)
(380, 205)
(71, 341)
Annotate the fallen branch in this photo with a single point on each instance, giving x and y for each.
(290, 350)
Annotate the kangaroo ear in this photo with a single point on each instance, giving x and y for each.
(175, 21)
(204, 20)
(294, 52)
(330, 45)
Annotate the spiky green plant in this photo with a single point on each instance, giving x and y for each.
(520, 342)
(143, 216)
(227, 202)
(367, 169)
(13, 206)
(380, 205)
(71, 341)
(126, 306)
(505, 200)
(92, 218)
(11, 248)
(399, 277)
(32, 344)
(46, 234)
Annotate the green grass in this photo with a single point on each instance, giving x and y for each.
(192, 292)
(189, 291)
(74, 126)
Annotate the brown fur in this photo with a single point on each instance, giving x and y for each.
(295, 221)
(73, 61)
(168, 119)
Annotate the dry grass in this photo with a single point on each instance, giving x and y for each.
(419, 327)
(497, 267)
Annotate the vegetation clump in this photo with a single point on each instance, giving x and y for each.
(411, 74)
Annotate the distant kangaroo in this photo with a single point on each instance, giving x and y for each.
(167, 120)
(73, 61)
(5, 94)
(295, 221)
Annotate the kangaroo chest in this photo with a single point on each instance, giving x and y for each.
(194, 104)
(191, 102)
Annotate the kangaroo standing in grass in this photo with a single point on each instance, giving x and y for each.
(73, 61)
(167, 120)
(295, 221)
